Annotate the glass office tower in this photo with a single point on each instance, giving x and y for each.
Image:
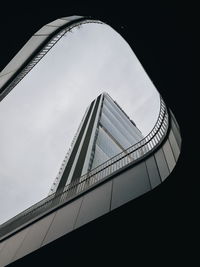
(105, 131)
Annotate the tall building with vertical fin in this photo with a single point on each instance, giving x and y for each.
(105, 131)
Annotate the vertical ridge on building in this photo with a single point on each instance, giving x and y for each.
(105, 131)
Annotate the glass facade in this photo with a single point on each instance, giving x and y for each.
(116, 132)
(105, 132)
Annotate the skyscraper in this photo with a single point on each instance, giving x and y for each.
(105, 131)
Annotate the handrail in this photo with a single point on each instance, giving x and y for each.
(106, 163)
(47, 45)
(98, 174)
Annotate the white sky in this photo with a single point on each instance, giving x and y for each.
(40, 116)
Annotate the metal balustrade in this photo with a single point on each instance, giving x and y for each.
(80, 185)
(46, 48)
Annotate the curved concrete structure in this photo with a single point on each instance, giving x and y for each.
(112, 184)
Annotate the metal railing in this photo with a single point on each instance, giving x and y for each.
(45, 49)
(129, 156)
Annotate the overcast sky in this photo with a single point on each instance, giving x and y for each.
(40, 116)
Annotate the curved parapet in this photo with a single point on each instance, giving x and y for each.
(124, 177)
(33, 51)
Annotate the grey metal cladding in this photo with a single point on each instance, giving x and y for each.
(80, 162)
(45, 30)
(11, 247)
(63, 222)
(95, 204)
(152, 169)
(176, 132)
(31, 46)
(26, 51)
(73, 154)
(129, 185)
(5, 77)
(57, 23)
(174, 145)
(169, 155)
(34, 237)
(162, 164)
(2, 244)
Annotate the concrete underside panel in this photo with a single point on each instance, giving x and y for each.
(57, 23)
(129, 185)
(63, 222)
(2, 244)
(113, 193)
(162, 164)
(176, 131)
(174, 145)
(12, 245)
(95, 204)
(5, 77)
(169, 156)
(35, 236)
(153, 172)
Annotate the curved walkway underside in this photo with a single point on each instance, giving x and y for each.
(119, 180)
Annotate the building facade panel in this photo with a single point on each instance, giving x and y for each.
(176, 132)
(169, 155)
(152, 169)
(12, 245)
(5, 78)
(23, 54)
(57, 23)
(106, 143)
(63, 222)
(116, 132)
(2, 244)
(174, 145)
(118, 117)
(129, 185)
(106, 132)
(99, 157)
(162, 164)
(34, 237)
(95, 204)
